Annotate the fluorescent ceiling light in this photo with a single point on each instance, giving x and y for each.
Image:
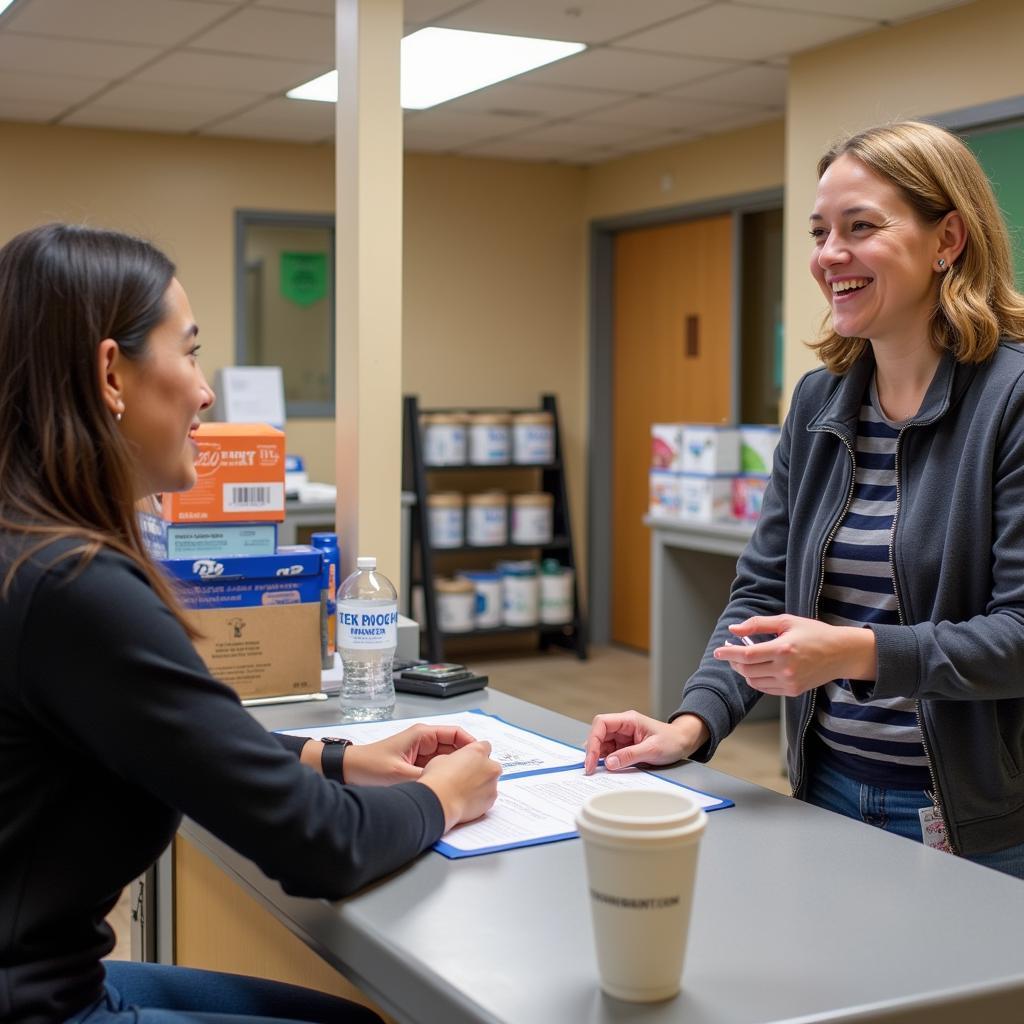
(439, 64)
(4, 4)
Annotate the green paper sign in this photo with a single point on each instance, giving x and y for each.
(304, 277)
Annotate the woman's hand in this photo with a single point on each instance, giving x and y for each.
(628, 738)
(402, 757)
(804, 654)
(466, 782)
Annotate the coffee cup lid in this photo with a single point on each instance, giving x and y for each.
(642, 812)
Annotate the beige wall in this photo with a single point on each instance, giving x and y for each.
(966, 56)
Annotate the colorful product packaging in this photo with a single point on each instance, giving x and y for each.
(757, 448)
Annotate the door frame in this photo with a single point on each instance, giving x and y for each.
(599, 418)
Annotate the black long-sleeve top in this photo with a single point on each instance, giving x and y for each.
(111, 728)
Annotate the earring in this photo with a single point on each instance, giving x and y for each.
(119, 415)
(942, 263)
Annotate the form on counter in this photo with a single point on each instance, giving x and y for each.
(541, 789)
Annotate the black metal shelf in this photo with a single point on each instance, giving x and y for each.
(422, 553)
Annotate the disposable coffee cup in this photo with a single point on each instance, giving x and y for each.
(641, 848)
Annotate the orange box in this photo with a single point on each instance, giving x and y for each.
(239, 477)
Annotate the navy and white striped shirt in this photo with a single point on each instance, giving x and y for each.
(878, 742)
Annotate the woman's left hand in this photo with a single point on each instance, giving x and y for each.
(804, 654)
(400, 758)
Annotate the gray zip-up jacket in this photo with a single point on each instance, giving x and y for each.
(957, 549)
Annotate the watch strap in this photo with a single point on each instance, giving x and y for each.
(332, 757)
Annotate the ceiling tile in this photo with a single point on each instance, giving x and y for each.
(623, 70)
(16, 109)
(760, 84)
(746, 33)
(659, 141)
(537, 101)
(883, 10)
(61, 89)
(265, 33)
(151, 22)
(666, 112)
(581, 21)
(296, 120)
(750, 117)
(94, 115)
(526, 149)
(420, 12)
(468, 126)
(303, 6)
(99, 61)
(587, 133)
(202, 104)
(229, 71)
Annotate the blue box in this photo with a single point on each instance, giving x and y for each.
(206, 540)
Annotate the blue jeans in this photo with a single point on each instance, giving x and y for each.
(894, 810)
(160, 994)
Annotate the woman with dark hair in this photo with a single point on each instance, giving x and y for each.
(885, 578)
(111, 726)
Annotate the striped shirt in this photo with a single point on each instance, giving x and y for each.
(876, 742)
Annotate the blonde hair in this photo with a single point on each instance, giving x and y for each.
(936, 173)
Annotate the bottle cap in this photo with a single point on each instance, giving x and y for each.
(366, 562)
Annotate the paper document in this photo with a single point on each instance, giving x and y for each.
(541, 788)
(543, 808)
(516, 750)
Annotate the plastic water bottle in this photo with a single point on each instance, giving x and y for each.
(367, 637)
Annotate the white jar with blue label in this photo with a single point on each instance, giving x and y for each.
(520, 593)
(444, 439)
(487, 519)
(446, 519)
(367, 638)
(487, 587)
(490, 442)
(533, 438)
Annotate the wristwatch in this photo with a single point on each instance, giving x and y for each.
(332, 757)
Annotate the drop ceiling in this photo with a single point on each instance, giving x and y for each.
(656, 72)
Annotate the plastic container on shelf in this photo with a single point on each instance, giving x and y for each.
(487, 590)
(532, 517)
(520, 593)
(487, 519)
(446, 514)
(444, 439)
(556, 593)
(490, 440)
(456, 605)
(367, 637)
(533, 438)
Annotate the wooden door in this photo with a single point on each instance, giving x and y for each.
(672, 363)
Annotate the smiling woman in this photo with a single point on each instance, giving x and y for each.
(885, 578)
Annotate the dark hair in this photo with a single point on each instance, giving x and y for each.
(65, 469)
(936, 173)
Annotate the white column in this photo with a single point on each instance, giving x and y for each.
(368, 275)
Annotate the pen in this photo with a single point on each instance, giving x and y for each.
(288, 698)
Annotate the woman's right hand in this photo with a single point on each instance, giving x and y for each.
(466, 782)
(627, 738)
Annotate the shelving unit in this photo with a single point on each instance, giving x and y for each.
(422, 555)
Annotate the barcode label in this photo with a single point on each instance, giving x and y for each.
(253, 497)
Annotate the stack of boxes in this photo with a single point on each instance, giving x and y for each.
(708, 474)
(257, 606)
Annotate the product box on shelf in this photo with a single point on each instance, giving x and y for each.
(666, 494)
(259, 618)
(667, 446)
(239, 476)
(748, 496)
(711, 450)
(705, 499)
(757, 448)
(206, 540)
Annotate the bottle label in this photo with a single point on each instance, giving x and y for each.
(367, 625)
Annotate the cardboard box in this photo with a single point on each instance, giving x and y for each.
(665, 494)
(710, 450)
(757, 448)
(705, 499)
(206, 540)
(748, 496)
(239, 477)
(667, 446)
(259, 618)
